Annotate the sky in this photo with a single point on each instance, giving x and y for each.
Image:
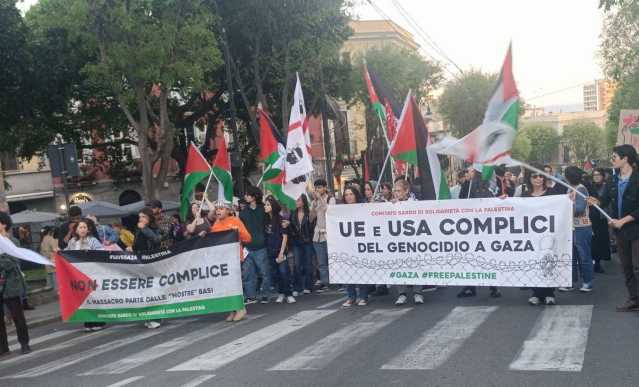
(555, 42)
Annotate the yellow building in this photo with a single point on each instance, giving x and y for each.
(598, 95)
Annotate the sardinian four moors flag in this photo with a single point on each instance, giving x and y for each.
(197, 169)
(412, 145)
(222, 170)
(491, 143)
(298, 161)
(273, 155)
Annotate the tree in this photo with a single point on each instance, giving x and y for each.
(401, 70)
(147, 57)
(619, 45)
(522, 146)
(464, 100)
(626, 97)
(544, 142)
(585, 140)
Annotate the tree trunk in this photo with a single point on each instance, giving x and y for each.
(4, 206)
(285, 103)
(146, 153)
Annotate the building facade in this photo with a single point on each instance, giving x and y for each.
(598, 95)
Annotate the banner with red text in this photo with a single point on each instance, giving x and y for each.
(197, 276)
(484, 242)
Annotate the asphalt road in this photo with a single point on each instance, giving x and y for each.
(445, 342)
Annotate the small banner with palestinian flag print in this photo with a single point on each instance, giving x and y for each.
(193, 277)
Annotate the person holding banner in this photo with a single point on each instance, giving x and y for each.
(625, 222)
(82, 240)
(224, 222)
(147, 239)
(12, 286)
(276, 242)
(302, 230)
(198, 222)
(600, 193)
(319, 205)
(536, 186)
(352, 196)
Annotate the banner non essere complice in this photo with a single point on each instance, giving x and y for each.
(484, 242)
(197, 276)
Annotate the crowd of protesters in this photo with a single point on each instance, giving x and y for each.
(285, 251)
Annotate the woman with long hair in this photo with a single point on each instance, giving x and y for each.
(601, 236)
(369, 193)
(536, 186)
(276, 243)
(302, 229)
(352, 196)
(83, 240)
(197, 222)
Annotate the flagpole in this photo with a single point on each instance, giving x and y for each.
(268, 168)
(558, 181)
(206, 190)
(388, 144)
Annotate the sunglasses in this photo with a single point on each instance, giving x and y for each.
(536, 176)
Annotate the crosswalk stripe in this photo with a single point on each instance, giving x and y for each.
(557, 341)
(42, 339)
(329, 304)
(243, 346)
(77, 357)
(157, 351)
(197, 381)
(440, 342)
(318, 355)
(126, 381)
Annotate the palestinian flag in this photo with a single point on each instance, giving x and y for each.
(272, 149)
(491, 143)
(272, 153)
(197, 169)
(412, 146)
(386, 108)
(222, 170)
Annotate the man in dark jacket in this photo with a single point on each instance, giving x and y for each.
(625, 212)
(256, 261)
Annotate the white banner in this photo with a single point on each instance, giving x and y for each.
(484, 242)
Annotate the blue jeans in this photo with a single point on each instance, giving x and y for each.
(321, 252)
(256, 262)
(303, 271)
(351, 292)
(582, 261)
(281, 275)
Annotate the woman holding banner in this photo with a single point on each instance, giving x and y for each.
(536, 186)
(276, 241)
(147, 239)
(12, 286)
(226, 221)
(302, 231)
(352, 196)
(83, 240)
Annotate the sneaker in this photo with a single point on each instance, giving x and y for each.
(97, 328)
(628, 306)
(25, 349)
(418, 298)
(429, 288)
(466, 292)
(239, 315)
(401, 300)
(341, 289)
(248, 301)
(290, 300)
(307, 291)
(362, 302)
(279, 299)
(230, 316)
(550, 301)
(318, 283)
(348, 303)
(152, 324)
(586, 288)
(88, 329)
(296, 294)
(570, 289)
(322, 289)
(534, 301)
(264, 300)
(495, 293)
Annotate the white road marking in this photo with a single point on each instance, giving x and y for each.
(329, 304)
(318, 355)
(252, 342)
(42, 339)
(157, 351)
(126, 381)
(440, 342)
(558, 340)
(199, 380)
(77, 357)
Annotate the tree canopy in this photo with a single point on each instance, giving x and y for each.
(544, 141)
(585, 140)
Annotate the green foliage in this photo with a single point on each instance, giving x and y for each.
(464, 101)
(585, 140)
(544, 142)
(620, 45)
(626, 97)
(400, 70)
(522, 146)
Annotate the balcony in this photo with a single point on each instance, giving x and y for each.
(29, 185)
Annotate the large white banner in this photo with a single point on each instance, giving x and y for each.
(496, 242)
